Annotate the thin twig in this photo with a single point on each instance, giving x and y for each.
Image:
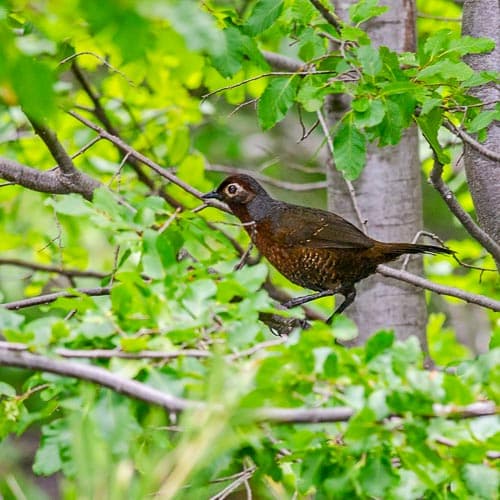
(466, 220)
(77, 273)
(48, 298)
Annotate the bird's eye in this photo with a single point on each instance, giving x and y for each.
(232, 189)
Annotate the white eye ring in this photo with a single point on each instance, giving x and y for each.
(232, 189)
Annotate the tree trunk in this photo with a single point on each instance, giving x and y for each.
(481, 18)
(389, 197)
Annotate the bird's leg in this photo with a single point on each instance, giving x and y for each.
(298, 301)
(349, 296)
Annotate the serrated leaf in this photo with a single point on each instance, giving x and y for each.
(370, 60)
(276, 100)
(349, 145)
(378, 344)
(471, 45)
(371, 116)
(364, 10)
(239, 47)
(483, 120)
(263, 15)
(447, 70)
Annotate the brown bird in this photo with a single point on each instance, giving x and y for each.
(313, 248)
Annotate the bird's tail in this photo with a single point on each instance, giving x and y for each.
(394, 250)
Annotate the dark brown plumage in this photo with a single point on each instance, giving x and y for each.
(313, 248)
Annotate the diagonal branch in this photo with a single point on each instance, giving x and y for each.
(413, 279)
(329, 17)
(492, 155)
(467, 221)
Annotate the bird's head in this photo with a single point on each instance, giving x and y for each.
(237, 190)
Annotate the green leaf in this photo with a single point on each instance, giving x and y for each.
(372, 115)
(239, 48)
(471, 45)
(364, 10)
(445, 70)
(392, 125)
(349, 146)
(482, 480)
(263, 15)
(37, 100)
(276, 100)
(483, 120)
(370, 60)
(429, 125)
(7, 390)
(70, 204)
(376, 476)
(378, 344)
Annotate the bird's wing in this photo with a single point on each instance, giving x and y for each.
(315, 228)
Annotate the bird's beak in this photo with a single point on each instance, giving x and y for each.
(212, 195)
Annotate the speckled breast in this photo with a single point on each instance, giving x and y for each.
(308, 267)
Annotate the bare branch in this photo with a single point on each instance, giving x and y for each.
(115, 353)
(413, 279)
(77, 273)
(492, 155)
(99, 376)
(56, 149)
(143, 392)
(283, 63)
(291, 186)
(48, 181)
(51, 297)
(467, 221)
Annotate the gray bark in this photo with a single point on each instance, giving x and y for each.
(390, 199)
(481, 18)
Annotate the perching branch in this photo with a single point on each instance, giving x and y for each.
(413, 279)
(467, 221)
(143, 392)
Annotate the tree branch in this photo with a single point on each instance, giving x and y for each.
(99, 376)
(52, 297)
(329, 17)
(77, 273)
(145, 160)
(467, 221)
(48, 181)
(492, 155)
(143, 392)
(283, 63)
(413, 279)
